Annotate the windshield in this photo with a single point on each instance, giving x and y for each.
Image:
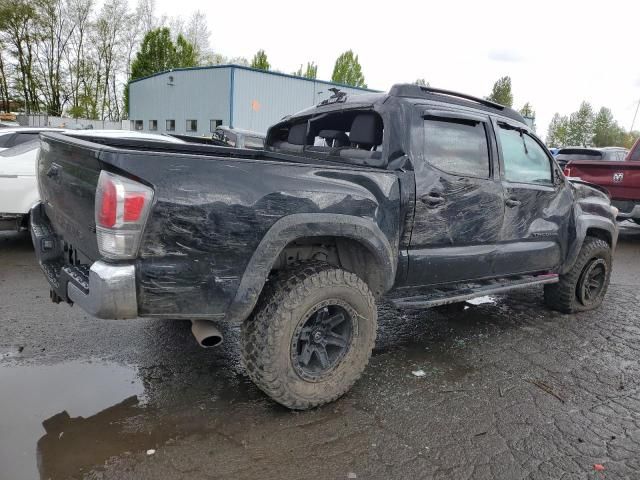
(20, 149)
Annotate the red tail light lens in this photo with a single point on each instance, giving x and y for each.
(133, 206)
(108, 205)
(121, 209)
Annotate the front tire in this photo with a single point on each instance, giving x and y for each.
(311, 335)
(584, 286)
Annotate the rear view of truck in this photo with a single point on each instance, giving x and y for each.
(88, 215)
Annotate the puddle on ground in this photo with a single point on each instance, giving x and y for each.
(55, 420)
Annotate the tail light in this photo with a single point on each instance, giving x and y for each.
(121, 210)
(567, 172)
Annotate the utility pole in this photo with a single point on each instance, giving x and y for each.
(634, 117)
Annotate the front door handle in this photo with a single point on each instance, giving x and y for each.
(512, 202)
(432, 199)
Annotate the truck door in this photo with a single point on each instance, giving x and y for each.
(459, 200)
(538, 208)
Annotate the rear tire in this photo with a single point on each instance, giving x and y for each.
(584, 286)
(311, 335)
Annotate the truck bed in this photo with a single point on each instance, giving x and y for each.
(211, 208)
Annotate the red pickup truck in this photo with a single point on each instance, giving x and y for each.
(620, 178)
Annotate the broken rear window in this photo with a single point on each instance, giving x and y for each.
(351, 136)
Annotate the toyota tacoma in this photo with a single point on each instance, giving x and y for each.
(420, 197)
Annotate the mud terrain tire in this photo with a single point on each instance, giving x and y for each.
(297, 300)
(566, 295)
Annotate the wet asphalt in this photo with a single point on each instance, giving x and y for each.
(511, 390)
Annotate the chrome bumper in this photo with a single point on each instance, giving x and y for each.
(112, 292)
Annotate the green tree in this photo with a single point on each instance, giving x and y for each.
(606, 131)
(158, 53)
(311, 71)
(260, 61)
(186, 54)
(421, 82)
(558, 133)
(19, 29)
(581, 126)
(348, 71)
(529, 114)
(527, 111)
(501, 92)
(630, 138)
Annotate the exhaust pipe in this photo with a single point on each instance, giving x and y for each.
(206, 333)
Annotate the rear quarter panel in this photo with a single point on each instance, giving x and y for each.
(209, 216)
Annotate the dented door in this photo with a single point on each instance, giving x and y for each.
(459, 201)
(537, 207)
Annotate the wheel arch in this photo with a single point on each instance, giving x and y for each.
(593, 226)
(361, 247)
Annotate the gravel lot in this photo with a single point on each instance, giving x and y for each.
(511, 390)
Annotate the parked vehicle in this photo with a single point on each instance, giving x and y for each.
(424, 196)
(18, 186)
(238, 138)
(605, 154)
(619, 176)
(10, 137)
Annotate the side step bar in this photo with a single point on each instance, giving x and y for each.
(454, 294)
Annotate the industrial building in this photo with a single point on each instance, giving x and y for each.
(194, 101)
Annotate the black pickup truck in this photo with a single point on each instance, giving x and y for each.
(421, 196)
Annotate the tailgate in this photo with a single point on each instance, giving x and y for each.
(621, 179)
(67, 179)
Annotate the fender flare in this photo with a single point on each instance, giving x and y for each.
(301, 225)
(583, 223)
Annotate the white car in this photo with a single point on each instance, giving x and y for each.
(10, 137)
(18, 184)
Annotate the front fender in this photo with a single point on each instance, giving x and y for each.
(585, 222)
(296, 226)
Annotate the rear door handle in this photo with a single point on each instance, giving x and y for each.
(432, 199)
(512, 202)
(53, 171)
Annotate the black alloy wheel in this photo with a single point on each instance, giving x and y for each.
(592, 281)
(322, 339)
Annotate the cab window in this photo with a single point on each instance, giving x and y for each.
(525, 161)
(458, 147)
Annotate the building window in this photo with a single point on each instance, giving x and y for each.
(213, 124)
(153, 125)
(192, 125)
(138, 125)
(171, 125)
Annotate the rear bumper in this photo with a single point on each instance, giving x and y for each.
(111, 292)
(103, 290)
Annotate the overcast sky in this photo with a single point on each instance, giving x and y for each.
(557, 53)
